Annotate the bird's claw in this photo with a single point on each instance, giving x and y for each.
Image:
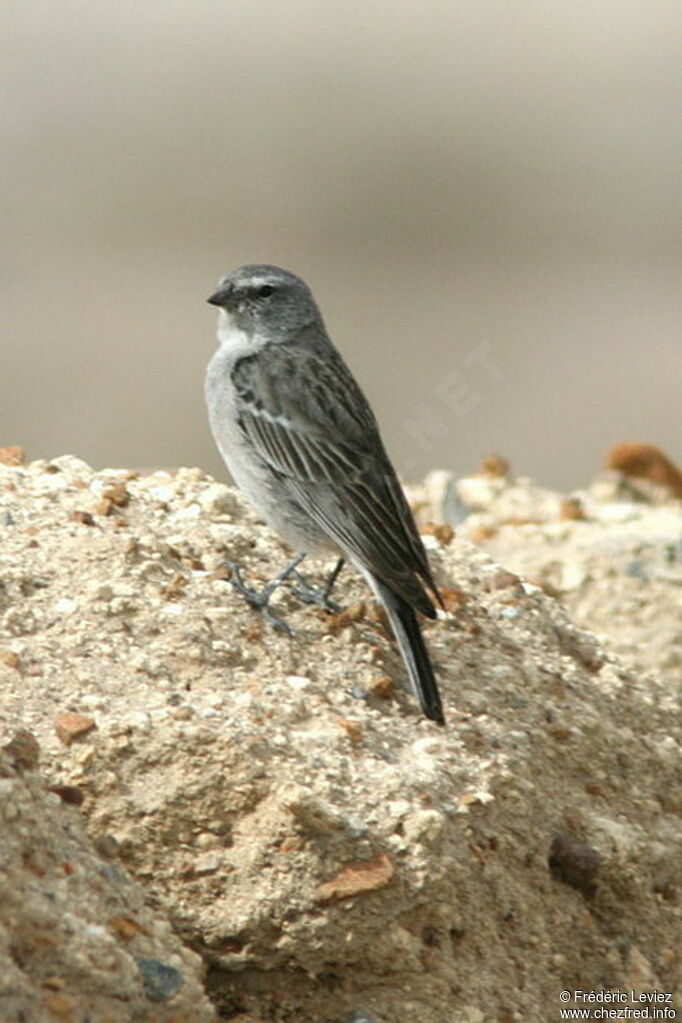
(317, 595)
(260, 599)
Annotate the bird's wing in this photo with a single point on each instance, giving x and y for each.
(307, 418)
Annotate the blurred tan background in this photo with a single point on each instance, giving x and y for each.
(485, 197)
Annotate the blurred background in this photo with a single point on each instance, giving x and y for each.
(486, 199)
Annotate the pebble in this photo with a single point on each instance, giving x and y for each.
(24, 749)
(424, 826)
(12, 455)
(160, 981)
(575, 863)
(217, 499)
(298, 681)
(366, 876)
(69, 726)
(207, 863)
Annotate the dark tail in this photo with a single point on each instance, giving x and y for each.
(413, 649)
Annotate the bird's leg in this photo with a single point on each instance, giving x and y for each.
(319, 595)
(260, 598)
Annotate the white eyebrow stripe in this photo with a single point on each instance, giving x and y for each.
(257, 282)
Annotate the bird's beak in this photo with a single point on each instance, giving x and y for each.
(220, 297)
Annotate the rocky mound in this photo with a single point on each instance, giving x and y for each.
(77, 941)
(330, 854)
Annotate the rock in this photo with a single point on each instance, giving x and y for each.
(12, 455)
(357, 878)
(644, 461)
(617, 572)
(117, 494)
(217, 499)
(572, 508)
(303, 834)
(575, 863)
(23, 749)
(70, 726)
(160, 980)
(59, 958)
(443, 532)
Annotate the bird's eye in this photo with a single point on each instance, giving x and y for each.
(266, 290)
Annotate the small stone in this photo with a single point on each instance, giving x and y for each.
(473, 799)
(368, 876)
(495, 466)
(334, 623)
(636, 570)
(560, 732)
(126, 927)
(424, 826)
(69, 726)
(10, 658)
(352, 730)
(69, 794)
(581, 645)
(572, 576)
(162, 494)
(160, 980)
(12, 455)
(571, 509)
(117, 494)
(575, 863)
(443, 532)
(60, 1005)
(83, 517)
(217, 499)
(207, 840)
(24, 749)
(68, 464)
(645, 461)
(504, 580)
(298, 682)
(382, 686)
(207, 863)
(453, 599)
(103, 507)
(310, 812)
(54, 983)
(356, 612)
(107, 846)
(479, 534)
(183, 713)
(175, 587)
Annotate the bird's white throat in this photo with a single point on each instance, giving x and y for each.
(232, 338)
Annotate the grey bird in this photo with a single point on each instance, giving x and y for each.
(301, 441)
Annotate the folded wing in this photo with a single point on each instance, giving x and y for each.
(307, 418)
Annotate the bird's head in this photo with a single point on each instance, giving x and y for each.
(266, 300)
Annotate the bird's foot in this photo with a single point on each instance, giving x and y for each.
(260, 599)
(320, 596)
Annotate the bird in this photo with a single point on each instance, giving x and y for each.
(301, 441)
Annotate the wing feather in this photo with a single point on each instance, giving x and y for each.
(307, 418)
